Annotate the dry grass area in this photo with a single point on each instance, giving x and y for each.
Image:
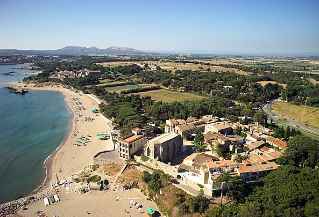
(173, 66)
(123, 63)
(263, 83)
(311, 117)
(166, 200)
(313, 81)
(111, 169)
(132, 175)
(170, 96)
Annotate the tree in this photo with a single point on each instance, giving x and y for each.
(302, 151)
(155, 183)
(183, 209)
(221, 150)
(198, 203)
(199, 138)
(146, 176)
(211, 145)
(233, 184)
(186, 135)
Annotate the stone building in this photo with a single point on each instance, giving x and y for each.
(131, 144)
(164, 147)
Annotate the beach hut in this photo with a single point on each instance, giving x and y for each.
(56, 197)
(150, 212)
(46, 201)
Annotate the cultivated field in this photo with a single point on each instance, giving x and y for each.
(311, 117)
(106, 82)
(173, 66)
(125, 87)
(170, 96)
(264, 83)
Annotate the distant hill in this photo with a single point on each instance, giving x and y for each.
(75, 50)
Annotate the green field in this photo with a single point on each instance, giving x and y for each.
(170, 96)
(125, 87)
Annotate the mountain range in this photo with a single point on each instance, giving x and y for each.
(75, 50)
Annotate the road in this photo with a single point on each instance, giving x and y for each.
(290, 122)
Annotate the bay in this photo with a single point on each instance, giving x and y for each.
(32, 126)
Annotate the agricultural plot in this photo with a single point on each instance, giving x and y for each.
(264, 83)
(170, 96)
(173, 66)
(125, 87)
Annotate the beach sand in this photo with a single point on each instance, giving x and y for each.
(96, 203)
(71, 159)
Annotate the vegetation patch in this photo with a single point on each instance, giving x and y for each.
(94, 178)
(305, 115)
(170, 96)
(144, 158)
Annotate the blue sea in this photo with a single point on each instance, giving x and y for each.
(32, 126)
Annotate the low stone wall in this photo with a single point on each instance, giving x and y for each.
(157, 165)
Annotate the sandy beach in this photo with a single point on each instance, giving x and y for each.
(71, 159)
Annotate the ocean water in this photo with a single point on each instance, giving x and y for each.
(32, 126)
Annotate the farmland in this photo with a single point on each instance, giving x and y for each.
(173, 66)
(125, 87)
(264, 83)
(170, 96)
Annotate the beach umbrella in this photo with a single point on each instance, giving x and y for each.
(150, 212)
(132, 202)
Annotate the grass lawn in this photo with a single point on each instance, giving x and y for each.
(311, 117)
(170, 96)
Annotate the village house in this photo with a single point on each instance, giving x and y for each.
(94, 73)
(216, 168)
(253, 171)
(282, 145)
(131, 144)
(254, 145)
(164, 147)
(194, 171)
(172, 123)
(221, 128)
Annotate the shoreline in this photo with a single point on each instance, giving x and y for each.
(48, 161)
(48, 164)
(71, 160)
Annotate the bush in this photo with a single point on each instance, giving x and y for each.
(179, 199)
(183, 209)
(155, 183)
(95, 167)
(144, 158)
(146, 176)
(94, 178)
(198, 203)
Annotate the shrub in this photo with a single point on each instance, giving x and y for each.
(95, 167)
(144, 158)
(183, 209)
(146, 176)
(94, 178)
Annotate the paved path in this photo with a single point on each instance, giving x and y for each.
(290, 122)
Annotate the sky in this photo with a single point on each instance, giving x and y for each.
(191, 26)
